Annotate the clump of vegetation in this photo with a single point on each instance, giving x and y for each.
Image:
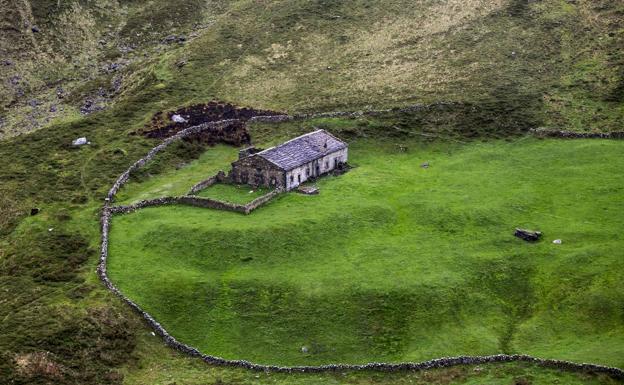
(49, 333)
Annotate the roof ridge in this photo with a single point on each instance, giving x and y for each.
(301, 149)
(298, 137)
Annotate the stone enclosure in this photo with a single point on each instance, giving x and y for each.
(109, 210)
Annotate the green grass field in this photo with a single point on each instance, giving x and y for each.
(394, 262)
(179, 181)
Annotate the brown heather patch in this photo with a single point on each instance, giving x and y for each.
(38, 364)
(10, 214)
(403, 53)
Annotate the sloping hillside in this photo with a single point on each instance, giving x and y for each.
(558, 62)
(102, 69)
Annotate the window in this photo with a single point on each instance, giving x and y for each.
(326, 164)
(292, 178)
(299, 178)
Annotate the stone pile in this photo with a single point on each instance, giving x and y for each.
(528, 235)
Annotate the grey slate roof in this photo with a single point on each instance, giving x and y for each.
(302, 149)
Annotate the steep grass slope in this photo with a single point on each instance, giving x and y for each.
(394, 262)
(556, 63)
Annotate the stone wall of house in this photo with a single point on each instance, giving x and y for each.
(256, 171)
(307, 171)
(299, 175)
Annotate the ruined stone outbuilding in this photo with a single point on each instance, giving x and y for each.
(289, 164)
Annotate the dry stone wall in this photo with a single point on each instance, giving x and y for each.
(211, 204)
(196, 201)
(123, 178)
(217, 178)
(254, 204)
(105, 221)
(547, 133)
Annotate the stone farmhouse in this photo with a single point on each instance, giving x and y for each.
(291, 163)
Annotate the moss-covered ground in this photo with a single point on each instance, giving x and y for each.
(395, 262)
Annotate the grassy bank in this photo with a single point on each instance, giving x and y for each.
(395, 262)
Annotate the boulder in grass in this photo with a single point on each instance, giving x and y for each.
(178, 119)
(308, 190)
(528, 235)
(79, 142)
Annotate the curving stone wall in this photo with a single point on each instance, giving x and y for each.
(108, 211)
(378, 366)
(123, 178)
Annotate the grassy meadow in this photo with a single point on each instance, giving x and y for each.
(395, 262)
(179, 180)
(240, 194)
